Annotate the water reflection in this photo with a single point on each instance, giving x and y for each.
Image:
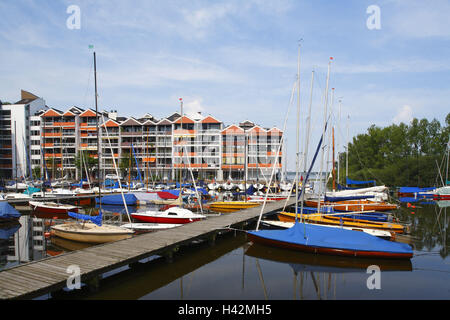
(250, 271)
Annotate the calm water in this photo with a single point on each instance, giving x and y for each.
(234, 269)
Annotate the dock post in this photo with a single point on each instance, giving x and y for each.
(93, 283)
(212, 238)
(170, 252)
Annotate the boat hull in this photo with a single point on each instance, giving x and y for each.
(92, 233)
(47, 209)
(232, 206)
(333, 241)
(333, 220)
(355, 205)
(329, 251)
(169, 220)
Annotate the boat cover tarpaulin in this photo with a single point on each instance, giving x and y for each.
(31, 190)
(415, 189)
(168, 194)
(95, 219)
(9, 230)
(350, 181)
(312, 235)
(117, 208)
(7, 211)
(116, 199)
(335, 199)
(147, 196)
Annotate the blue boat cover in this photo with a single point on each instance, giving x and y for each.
(335, 238)
(117, 208)
(350, 181)
(95, 219)
(6, 233)
(7, 211)
(369, 216)
(334, 199)
(116, 199)
(80, 184)
(414, 189)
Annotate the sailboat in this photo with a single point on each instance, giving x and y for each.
(325, 240)
(92, 231)
(51, 207)
(173, 215)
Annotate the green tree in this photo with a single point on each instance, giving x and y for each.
(398, 155)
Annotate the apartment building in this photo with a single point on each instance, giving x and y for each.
(249, 149)
(15, 137)
(61, 144)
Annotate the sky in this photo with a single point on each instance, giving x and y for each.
(235, 60)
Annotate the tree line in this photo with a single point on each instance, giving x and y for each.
(399, 155)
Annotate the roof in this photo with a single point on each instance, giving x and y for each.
(26, 97)
(52, 112)
(131, 122)
(185, 120)
(174, 116)
(110, 123)
(88, 113)
(210, 119)
(257, 129)
(233, 129)
(246, 124)
(164, 122)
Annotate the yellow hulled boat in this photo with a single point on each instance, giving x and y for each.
(355, 205)
(231, 206)
(346, 222)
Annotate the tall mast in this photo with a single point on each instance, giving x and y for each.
(306, 146)
(346, 157)
(297, 165)
(181, 143)
(245, 165)
(98, 138)
(15, 152)
(323, 132)
(334, 171)
(338, 143)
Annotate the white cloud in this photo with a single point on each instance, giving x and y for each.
(403, 115)
(193, 106)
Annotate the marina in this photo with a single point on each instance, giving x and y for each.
(226, 150)
(249, 271)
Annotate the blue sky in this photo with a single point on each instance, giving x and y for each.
(235, 60)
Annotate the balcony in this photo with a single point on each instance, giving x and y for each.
(131, 133)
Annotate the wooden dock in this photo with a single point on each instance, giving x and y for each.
(34, 279)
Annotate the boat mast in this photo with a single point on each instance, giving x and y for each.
(338, 144)
(181, 143)
(346, 157)
(15, 153)
(98, 138)
(306, 147)
(334, 171)
(297, 146)
(245, 165)
(323, 133)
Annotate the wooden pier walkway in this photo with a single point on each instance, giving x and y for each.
(34, 279)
